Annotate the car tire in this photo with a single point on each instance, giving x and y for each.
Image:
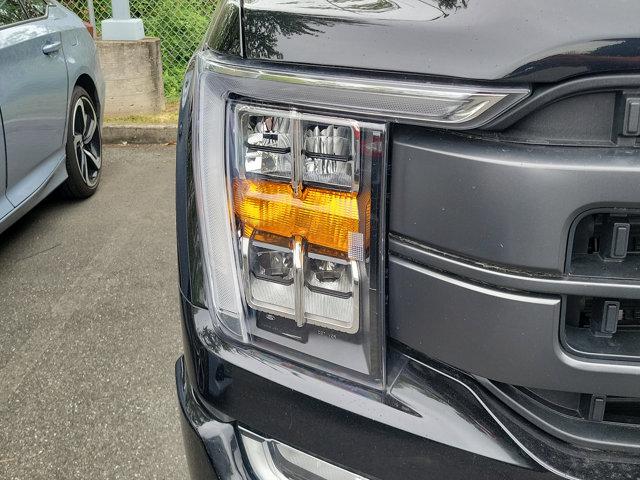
(83, 147)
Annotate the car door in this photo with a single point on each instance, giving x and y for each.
(10, 13)
(33, 96)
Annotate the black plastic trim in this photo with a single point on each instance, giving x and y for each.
(544, 96)
(501, 203)
(572, 234)
(502, 335)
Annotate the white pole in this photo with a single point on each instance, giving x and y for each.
(120, 9)
(121, 26)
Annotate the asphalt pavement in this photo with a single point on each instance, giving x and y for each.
(90, 330)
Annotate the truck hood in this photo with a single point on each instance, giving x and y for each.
(527, 40)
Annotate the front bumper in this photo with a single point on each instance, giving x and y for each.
(214, 451)
(428, 424)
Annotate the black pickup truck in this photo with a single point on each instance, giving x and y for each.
(409, 241)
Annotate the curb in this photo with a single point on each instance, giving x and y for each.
(139, 134)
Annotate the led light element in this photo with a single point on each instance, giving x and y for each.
(287, 146)
(266, 146)
(314, 288)
(330, 155)
(332, 293)
(270, 277)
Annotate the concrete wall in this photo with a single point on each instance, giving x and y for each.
(133, 76)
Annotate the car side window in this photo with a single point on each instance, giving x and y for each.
(35, 8)
(11, 12)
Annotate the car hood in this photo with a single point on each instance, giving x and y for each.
(527, 40)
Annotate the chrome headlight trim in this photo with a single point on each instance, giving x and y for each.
(397, 100)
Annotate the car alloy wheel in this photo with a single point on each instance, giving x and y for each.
(86, 141)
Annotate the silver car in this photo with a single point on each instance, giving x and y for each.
(51, 92)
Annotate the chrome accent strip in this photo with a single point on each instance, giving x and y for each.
(264, 455)
(298, 265)
(474, 102)
(535, 282)
(297, 160)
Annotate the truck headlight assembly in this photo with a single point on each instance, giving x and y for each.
(288, 207)
(291, 200)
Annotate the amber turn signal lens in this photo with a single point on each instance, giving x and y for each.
(323, 217)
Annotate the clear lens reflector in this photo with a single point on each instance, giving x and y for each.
(330, 154)
(288, 146)
(269, 273)
(266, 146)
(332, 291)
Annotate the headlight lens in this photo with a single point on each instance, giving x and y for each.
(302, 220)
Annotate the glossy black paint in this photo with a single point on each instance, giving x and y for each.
(190, 256)
(531, 41)
(225, 32)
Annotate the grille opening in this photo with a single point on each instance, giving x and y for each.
(580, 405)
(622, 410)
(594, 420)
(607, 245)
(602, 328)
(628, 316)
(600, 230)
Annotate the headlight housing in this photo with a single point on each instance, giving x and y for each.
(291, 200)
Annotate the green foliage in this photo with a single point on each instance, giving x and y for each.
(173, 75)
(180, 25)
